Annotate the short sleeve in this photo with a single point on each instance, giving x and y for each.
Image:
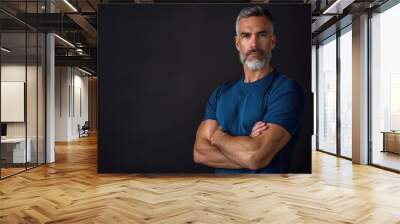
(286, 106)
(211, 106)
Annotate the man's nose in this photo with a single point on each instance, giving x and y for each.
(253, 41)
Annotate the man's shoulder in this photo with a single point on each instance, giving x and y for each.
(285, 83)
(225, 86)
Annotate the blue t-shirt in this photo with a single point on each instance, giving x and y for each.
(275, 98)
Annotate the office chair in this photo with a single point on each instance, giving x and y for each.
(84, 130)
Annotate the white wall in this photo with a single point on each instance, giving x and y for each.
(62, 81)
(79, 117)
(9, 73)
(33, 127)
(71, 93)
(16, 72)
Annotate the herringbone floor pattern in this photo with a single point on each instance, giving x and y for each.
(71, 191)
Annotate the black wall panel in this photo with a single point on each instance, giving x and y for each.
(157, 66)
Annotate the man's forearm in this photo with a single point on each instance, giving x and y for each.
(239, 149)
(210, 155)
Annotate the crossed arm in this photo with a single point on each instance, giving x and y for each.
(216, 148)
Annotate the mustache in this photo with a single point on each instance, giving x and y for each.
(255, 50)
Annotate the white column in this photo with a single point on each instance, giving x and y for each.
(360, 90)
(50, 93)
(50, 100)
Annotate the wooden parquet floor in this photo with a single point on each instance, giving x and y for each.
(71, 191)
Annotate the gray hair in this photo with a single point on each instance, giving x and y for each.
(254, 11)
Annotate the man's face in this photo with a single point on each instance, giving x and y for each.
(255, 41)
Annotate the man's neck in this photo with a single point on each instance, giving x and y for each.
(252, 76)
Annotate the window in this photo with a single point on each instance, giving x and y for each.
(385, 88)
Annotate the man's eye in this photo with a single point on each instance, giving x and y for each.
(245, 35)
(263, 34)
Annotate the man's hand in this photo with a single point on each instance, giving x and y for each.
(216, 135)
(207, 154)
(258, 128)
(252, 152)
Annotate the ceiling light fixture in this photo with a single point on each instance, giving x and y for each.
(65, 41)
(84, 71)
(329, 9)
(5, 50)
(70, 5)
(337, 7)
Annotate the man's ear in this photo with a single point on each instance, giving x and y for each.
(236, 40)
(273, 40)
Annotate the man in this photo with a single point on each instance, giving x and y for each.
(251, 125)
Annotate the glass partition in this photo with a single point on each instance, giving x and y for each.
(22, 77)
(41, 91)
(327, 95)
(32, 95)
(14, 154)
(346, 93)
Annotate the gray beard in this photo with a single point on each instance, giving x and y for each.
(255, 64)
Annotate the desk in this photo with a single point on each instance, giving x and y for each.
(15, 148)
(391, 141)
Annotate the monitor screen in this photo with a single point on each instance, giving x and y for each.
(3, 129)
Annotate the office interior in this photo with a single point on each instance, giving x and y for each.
(49, 88)
(45, 83)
